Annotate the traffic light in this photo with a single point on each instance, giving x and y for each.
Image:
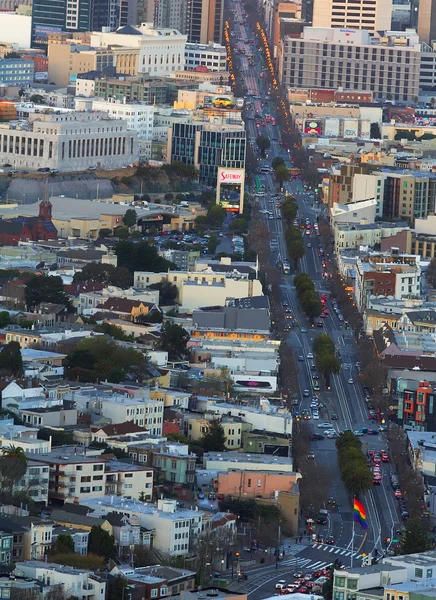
(237, 554)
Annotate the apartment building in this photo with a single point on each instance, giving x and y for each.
(207, 288)
(85, 475)
(16, 71)
(35, 482)
(159, 52)
(207, 146)
(373, 15)
(176, 466)
(142, 411)
(341, 188)
(397, 275)
(176, 528)
(333, 58)
(68, 59)
(196, 426)
(151, 90)
(254, 483)
(265, 418)
(415, 398)
(205, 21)
(408, 194)
(21, 436)
(354, 235)
(212, 56)
(68, 142)
(239, 461)
(75, 582)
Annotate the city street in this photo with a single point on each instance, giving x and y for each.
(345, 399)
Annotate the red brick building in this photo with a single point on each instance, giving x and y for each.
(21, 229)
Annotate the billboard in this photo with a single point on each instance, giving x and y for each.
(313, 126)
(365, 129)
(399, 114)
(351, 128)
(40, 76)
(331, 127)
(221, 101)
(230, 189)
(41, 32)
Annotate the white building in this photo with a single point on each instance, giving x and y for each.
(85, 87)
(241, 461)
(35, 481)
(265, 418)
(143, 411)
(213, 56)
(138, 116)
(176, 528)
(161, 51)
(74, 582)
(374, 15)
(16, 29)
(22, 437)
(80, 477)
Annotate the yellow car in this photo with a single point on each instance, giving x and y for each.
(223, 103)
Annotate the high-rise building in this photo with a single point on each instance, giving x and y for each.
(171, 14)
(372, 15)
(54, 16)
(427, 21)
(342, 58)
(205, 21)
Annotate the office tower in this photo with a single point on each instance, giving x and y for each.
(54, 16)
(204, 21)
(427, 21)
(171, 14)
(373, 15)
(307, 10)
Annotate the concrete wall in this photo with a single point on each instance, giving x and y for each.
(15, 29)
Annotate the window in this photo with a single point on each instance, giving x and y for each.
(154, 593)
(429, 573)
(418, 572)
(352, 584)
(249, 483)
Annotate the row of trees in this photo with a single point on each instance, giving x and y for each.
(295, 244)
(309, 299)
(326, 360)
(289, 208)
(355, 472)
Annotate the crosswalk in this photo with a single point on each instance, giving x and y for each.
(336, 550)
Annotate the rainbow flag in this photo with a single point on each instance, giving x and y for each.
(360, 513)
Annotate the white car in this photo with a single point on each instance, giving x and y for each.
(351, 381)
(309, 355)
(315, 416)
(325, 425)
(280, 584)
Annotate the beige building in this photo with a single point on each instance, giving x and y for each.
(354, 235)
(67, 60)
(195, 428)
(332, 58)
(202, 288)
(427, 21)
(373, 15)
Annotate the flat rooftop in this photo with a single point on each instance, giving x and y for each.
(244, 457)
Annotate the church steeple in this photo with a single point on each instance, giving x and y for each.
(45, 206)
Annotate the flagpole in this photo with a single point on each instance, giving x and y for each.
(352, 538)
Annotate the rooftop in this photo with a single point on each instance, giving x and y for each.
(113, 503)
(244, 457)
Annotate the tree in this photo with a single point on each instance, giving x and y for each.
(296, 252)
(44, 288)
(216, 215)
(277, 161)
(64, 544)
(11, 359)
(415, 537)
(140, 256)
(214, 440)
(328, 364)
(167, 292)
(130, 218)
(239, 224)
(212, 244)
(169, 196)
(104, 232)
(122, 233)
(56, 592)
(173, 339)
(100, 542)
(282, 174)
(37, 99)
(311, 304)
(13, 467)
(116, 587)
(263, 143)
(433, 102)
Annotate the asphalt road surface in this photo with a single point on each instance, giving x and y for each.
(345, 399)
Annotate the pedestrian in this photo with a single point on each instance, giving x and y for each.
(301, 539)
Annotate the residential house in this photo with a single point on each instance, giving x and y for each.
(35, 482)
(74, 581)
(128, 531)
(39, 541)
(6, 544)
(72, 516)
(127, 309)
(54, 416)
(19, 587)
(366, 582)
(406, 350)
(80, 476)
(22, 437)
(176, 527)
(267, 417)
(171, 398)
(80, 537)
(259, 442)
(167, 580)
(418, 321)
(108, 432)
(48, 313)
(176, 464)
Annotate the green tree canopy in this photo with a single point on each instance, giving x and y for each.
(282, 174)
(100, 542)
(11, 359)
(105, 274)
(323, 343)
(263, 143)
(214, 440)
(216, 215)
(64, 544)
(173, 339)
(239, 224)
(44, 288)
(277, 162)
(415, 537)
(140, 256)
(130, 218)
(167, 292)
(212, 244)
(13, 466)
